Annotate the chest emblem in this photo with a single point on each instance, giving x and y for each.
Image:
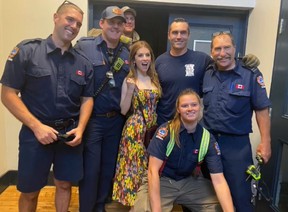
(189, 69)
(239, 87)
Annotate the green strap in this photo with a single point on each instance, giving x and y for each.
(203, 145)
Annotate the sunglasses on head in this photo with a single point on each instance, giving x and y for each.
(221, 33)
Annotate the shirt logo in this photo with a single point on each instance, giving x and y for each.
(13, 53)
(80, 73)
(162, 133)
(189, 69)
(239, 86)
(260, 81)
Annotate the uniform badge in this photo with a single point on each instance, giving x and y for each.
(13, 53)
(189, 69)
(80, 73)
(162, 133)
(217, 148)
(260, 81)
(239, 86)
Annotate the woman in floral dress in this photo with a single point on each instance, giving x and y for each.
(140, 93)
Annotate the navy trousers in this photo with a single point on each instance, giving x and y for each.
(236, 156)
(101, 142)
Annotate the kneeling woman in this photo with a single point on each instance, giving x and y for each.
(176, 151)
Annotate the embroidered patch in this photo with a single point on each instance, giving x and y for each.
(260, 81)
(162, 133)
(217, 148)
(13, 53)
(189, 69)
(80, 73)
(239, 86)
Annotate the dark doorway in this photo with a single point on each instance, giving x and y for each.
(153, 19)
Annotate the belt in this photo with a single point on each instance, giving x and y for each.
(60, 123)
(107, 115)
(218, 134)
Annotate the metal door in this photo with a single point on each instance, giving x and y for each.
(202, 25)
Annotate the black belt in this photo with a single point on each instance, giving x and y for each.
(107, 115)
(218, 134)
(60, 123)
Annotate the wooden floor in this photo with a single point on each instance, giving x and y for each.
(9, 201)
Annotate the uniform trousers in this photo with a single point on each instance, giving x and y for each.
(197, 194)
(101, 142)
(236, 155)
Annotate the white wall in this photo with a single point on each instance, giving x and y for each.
(261, 41)
(23, 19)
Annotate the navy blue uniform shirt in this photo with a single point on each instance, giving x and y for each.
(50, 83)
(182, 161)
(229, 98)
(96, 49)
(177, 74)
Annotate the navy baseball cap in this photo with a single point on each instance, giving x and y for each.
(113, 12)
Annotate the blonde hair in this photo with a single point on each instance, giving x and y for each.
(151, 71)
(175, 123)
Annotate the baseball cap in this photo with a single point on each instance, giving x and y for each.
(128, 9)
(112, 12)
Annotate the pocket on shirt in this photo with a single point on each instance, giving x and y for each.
(238, 101)
(207, 95)
(38, 72)
(78, 79)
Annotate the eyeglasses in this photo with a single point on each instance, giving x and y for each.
(110, 76)
(221, 33)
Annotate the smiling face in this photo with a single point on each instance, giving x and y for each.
(129, 26)
(143, 59)
(189, 108)
(223, 52)
(68, 22)
(178, 36)
(112, 29)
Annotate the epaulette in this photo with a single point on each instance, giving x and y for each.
(252, 69)
(81, 53)
(86, 38)
(28, 41)
(210, 66)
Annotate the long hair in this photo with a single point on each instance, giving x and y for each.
(151, 71)
(175, 124)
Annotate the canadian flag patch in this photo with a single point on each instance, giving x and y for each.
(80, 73)
(239, 86)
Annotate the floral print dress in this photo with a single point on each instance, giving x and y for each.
(132, 161)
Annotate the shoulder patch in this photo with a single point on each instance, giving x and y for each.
(161, 133)
(13, 53)
(217, 148)
(260, 81)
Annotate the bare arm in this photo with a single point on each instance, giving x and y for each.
(263, 121)
(222, 191)
(15, 105)
(154, 183)
(128, 87)
(85, 112)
